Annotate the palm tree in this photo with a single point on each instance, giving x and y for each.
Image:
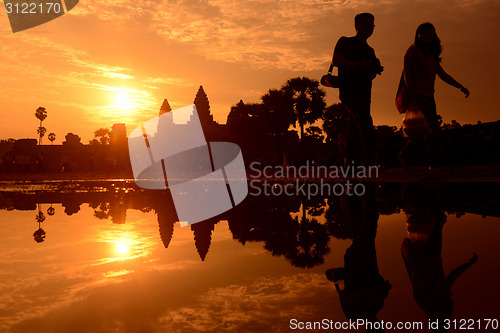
(336, 120)
(41, 114)
(41, 132)
(307, 100)
(276, 111)
(51, 137)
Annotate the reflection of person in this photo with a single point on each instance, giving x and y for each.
(358, 66)
(422, 254)
(364, 289)
(421, 65)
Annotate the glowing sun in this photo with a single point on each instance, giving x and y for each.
(122, 249)
(122, 100)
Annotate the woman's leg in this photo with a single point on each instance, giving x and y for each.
(433, 141)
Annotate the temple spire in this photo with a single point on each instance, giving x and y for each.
(203, 108)
(165, 107)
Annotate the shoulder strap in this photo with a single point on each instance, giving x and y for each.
(331, 68)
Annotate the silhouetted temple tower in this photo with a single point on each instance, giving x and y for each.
(165, 107)
(165, 122)
(203, 108)
(213, 131)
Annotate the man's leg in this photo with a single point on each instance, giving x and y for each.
(363, 125)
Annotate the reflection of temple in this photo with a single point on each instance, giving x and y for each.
(272, 221)
(166, 216)
(203, 236)
(202, 231)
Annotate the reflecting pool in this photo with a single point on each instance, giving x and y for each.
(113, 258)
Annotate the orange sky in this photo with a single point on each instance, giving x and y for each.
(76, 65)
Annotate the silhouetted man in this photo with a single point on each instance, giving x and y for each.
(358, 66)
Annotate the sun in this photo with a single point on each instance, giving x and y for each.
(122, 248)
(122, 100)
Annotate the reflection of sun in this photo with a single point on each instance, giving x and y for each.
(122, 248)
(122, 100)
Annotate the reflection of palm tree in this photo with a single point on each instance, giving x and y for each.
(51, 210)
(40, 217)
(307, 100)
(41, 114)
(304, 242)
(39, 235)
(102, 213)
(311, 244)
(71, 206)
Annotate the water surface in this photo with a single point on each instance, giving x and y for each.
(115, 260)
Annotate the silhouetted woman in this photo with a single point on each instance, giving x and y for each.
(421, 64)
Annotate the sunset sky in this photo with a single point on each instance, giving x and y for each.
(106, 62)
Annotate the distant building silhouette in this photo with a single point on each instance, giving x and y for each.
(25, 154)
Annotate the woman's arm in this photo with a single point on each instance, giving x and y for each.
(451, 81)
(455, 274)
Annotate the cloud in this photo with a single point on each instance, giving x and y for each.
(168, 81)
(58, 74)
(266, 34)
(265, 304)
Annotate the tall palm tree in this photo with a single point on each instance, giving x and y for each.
(41, 132)
(41, 114)
(307, 100)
